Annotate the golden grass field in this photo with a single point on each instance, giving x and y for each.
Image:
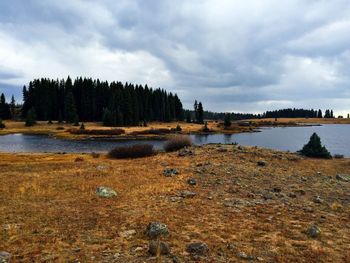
(49, 211)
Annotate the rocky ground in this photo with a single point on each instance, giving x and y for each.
(216, 203)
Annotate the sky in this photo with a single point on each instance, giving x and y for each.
(233, 55)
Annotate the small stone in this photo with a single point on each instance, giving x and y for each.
(127, 234)
(185, 152)
(243, 255)
(164, 248)
(262, 163)
(276, 190)
(170, 172)
(101, 167)
(197, 249)
(313, 231)
(187, 194)
(231, 246)
(192, 181)
(343, 177)
(317, 199)
(105, 192)
(156, 229)
(5, 257)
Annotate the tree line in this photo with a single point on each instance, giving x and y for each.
(85, 99)
(298, 113)
(7, 110)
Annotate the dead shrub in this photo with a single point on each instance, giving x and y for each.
(133, 151)
(177, 143)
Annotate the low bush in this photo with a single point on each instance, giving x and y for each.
(2, 125)
(133, 151)
(97, 132)
(60, 128)
(338, 156)
(315, 149)
(205, 128)
(152, 132)
(177, 143)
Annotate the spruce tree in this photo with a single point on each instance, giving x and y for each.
(13, 107)
(319, 114)
(315, 149)
(227, 121)
(188, 117)
(70, 113)
(31, 118)
(200, 113)
(2, 125)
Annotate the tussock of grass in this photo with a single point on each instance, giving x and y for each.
(177, 143)
(134, 151)
(152, 132)
(97, 132)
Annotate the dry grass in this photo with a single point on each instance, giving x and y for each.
(50, 213)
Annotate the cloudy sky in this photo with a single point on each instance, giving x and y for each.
(233, 55)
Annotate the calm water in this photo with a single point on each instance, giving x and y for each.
(335, 137)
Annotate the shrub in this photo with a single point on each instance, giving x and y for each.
(177, 143)
(60, 128)
(205, 128)
(227, 121)
(97, 132)
(314, 148)
(2, 125)
(82, 126)
(338, 156)
(152, 132)
(133, 151)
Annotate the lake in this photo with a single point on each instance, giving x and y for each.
(334, 137)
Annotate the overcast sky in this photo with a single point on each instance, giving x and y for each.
(233, 55)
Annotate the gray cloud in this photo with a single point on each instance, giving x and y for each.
(232, 55)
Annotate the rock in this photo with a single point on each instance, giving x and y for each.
(105, 192)
(187, 194)
(170, 172)
(343, 177)
(243, 255)
(313, 231)
(127, 234)
(231, 246)
(156, 229)
(101, 167)
(175, 198)
(192, 181)
(164, 248)
(198, 249)
(292, 195)
(185, 152)
(317, 199)
(5, 257)
(262, 163)
(276, 190)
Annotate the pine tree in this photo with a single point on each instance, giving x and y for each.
(188, 117)
(70, 113)
(31, 118)
(108, 118)
(319, 114)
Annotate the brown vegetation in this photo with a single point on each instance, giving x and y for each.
(50, 212)
(97, 132)
(133, 151)
(176, 143)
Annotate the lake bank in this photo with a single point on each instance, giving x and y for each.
(334, 137)
(50, 208)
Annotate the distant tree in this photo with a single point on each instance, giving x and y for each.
(13, 107)
(319, 114)
(2, 125)
(108, 118)
(314, 148)
(31, 118)
(188, 117)
(5, 112)
(82, 126)
(332, 115)
(200, 112)
(227, 121)
(348, 116)
(70, 114)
